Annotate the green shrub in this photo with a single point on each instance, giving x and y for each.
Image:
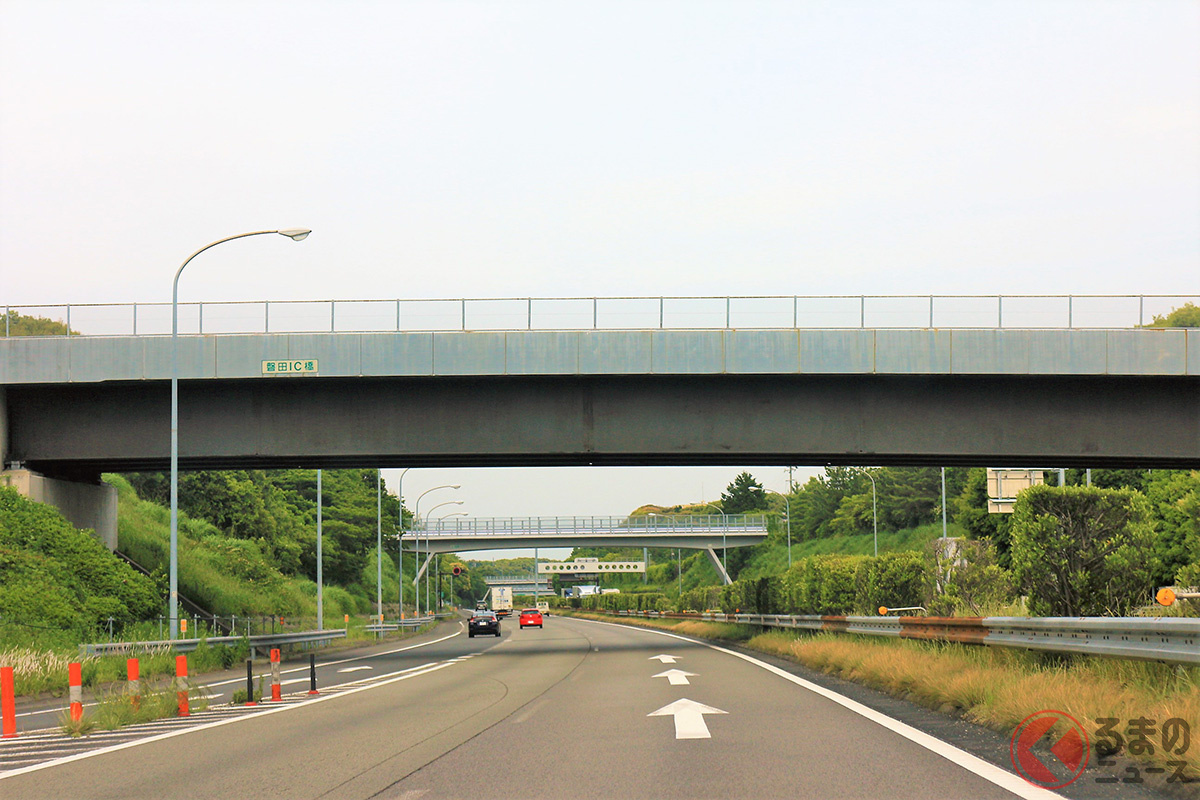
(893, 579)
(1082, 551)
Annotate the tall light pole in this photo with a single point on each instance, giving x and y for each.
(417, 517)
(400, 536)
(320, 575)
(724, 531)
(379, 546)
(439, 519)
(874, 514)
(429, 513)
(295, 234)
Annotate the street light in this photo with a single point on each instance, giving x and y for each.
(439, 564)
(874, 515)
(400, 536)
(725, 530)
(416, 550)
(295, 234)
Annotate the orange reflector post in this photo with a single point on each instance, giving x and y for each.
(1165, 596)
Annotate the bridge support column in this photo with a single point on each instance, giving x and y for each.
(712, 556)
(85, 505)
(421, 571)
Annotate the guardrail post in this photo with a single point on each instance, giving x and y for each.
(312, 674)
(75, 689)
(250, 682)
(276, 689)
(181, 685)
(8, 703)
(134, 688)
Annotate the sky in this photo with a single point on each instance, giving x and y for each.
(547, 149)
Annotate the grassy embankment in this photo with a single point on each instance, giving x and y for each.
(228, 578)
(994, 687)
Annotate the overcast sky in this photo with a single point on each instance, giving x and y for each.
(446, 149)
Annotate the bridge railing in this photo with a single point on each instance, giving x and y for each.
(604, 313)
(550, 526)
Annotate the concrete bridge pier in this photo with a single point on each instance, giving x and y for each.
(85, 505)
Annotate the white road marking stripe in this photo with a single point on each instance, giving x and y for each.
(383, 680)
(988, 771)
(355, 669)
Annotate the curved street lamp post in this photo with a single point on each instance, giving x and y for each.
(426, 527)
(295, 234)
(416, 549)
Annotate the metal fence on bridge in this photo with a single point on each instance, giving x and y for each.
(532, 526)
(610, 313)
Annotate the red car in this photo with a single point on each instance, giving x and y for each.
(530, 617)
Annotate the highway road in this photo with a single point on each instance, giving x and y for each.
(579, 709)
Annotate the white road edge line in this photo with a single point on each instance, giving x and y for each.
(381, 680)
(988, 771)
(284, 672)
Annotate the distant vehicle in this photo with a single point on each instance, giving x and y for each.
(502, 602)
(544, 607)
(529, 618)
(483, 622)
(481, 606)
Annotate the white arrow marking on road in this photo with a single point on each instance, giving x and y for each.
(663, 659)
(689, 718)
(354, 669)
(676, 677)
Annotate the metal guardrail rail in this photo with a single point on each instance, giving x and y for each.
(1174, 640)
(609, 313)
(532, 526)
(392, 627)
(188, 645)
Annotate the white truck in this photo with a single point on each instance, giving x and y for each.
(502, 600)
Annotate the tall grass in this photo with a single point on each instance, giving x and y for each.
(999, 688)
(995, 687)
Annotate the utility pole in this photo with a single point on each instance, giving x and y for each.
(320, 576)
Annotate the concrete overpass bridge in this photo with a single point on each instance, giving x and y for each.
(705, 532)
(855, 381)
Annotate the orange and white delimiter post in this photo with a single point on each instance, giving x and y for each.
(75, 690)
(181, 683)
(276, 686)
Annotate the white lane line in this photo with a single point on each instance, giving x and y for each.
(283, 672)
(986, 770)
(676, 677)
(355, 669)
(384, 681)
(689, 718)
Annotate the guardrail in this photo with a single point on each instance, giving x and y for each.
(532, 526)
(609, 313)
(391, 627)
(1174, 640)
(188, 645)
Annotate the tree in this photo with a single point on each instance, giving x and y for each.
(744, 494)
(1082, 551)
(22, 325)
(1186, 316)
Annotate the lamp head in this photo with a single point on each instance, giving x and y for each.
(295, 234)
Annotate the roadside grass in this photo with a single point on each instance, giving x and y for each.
(117, 710)
(994, 687)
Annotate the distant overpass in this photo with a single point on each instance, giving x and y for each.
(705, 532)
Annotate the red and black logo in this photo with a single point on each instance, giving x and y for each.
(1069, 750)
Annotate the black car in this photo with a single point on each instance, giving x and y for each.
(483, 622)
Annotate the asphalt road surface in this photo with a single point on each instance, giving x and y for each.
(578, 709)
